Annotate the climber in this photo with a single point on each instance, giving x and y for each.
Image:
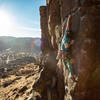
(65, 50)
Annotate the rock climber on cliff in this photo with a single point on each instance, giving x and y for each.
(65, 50)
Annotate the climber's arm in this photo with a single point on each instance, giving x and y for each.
(69, 44)
(69, 22)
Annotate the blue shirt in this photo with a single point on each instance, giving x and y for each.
(66, 40)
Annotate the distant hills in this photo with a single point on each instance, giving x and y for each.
(20, 44)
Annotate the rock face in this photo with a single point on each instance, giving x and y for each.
(86, 49)
(45, 45)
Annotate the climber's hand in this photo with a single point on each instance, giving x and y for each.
(67, 45)
(72, 42)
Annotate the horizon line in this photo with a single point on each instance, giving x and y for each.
(21, 37)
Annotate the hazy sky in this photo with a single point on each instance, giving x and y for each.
(20, 18)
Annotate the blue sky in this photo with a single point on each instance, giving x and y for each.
(21, 18)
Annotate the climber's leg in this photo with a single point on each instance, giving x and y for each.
(64, 63)
(64, 70)
(65, 76)
(70, 68)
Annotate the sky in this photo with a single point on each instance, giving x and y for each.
(20, 18)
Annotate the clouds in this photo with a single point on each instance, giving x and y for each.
(25, 17)
(28, 32)
(31, 29)
(23, 32)
(9, 26)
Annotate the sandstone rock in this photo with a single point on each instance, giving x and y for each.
(85, 51)
(89, 2)
(68, 6)
(50, 81)
(85, 57)
(53, 20)
(45, 41)
(23, 89)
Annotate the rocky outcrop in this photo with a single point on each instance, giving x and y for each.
(50, 85)
(18, 84)
(85, 31)
(45, 40)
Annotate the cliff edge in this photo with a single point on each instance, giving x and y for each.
(86, 50)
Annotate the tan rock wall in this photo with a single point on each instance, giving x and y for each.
(45, 40)
(53, 20)
(86, 49)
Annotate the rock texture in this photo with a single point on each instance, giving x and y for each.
(45, 45)
(18, 84)
(86, 49)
